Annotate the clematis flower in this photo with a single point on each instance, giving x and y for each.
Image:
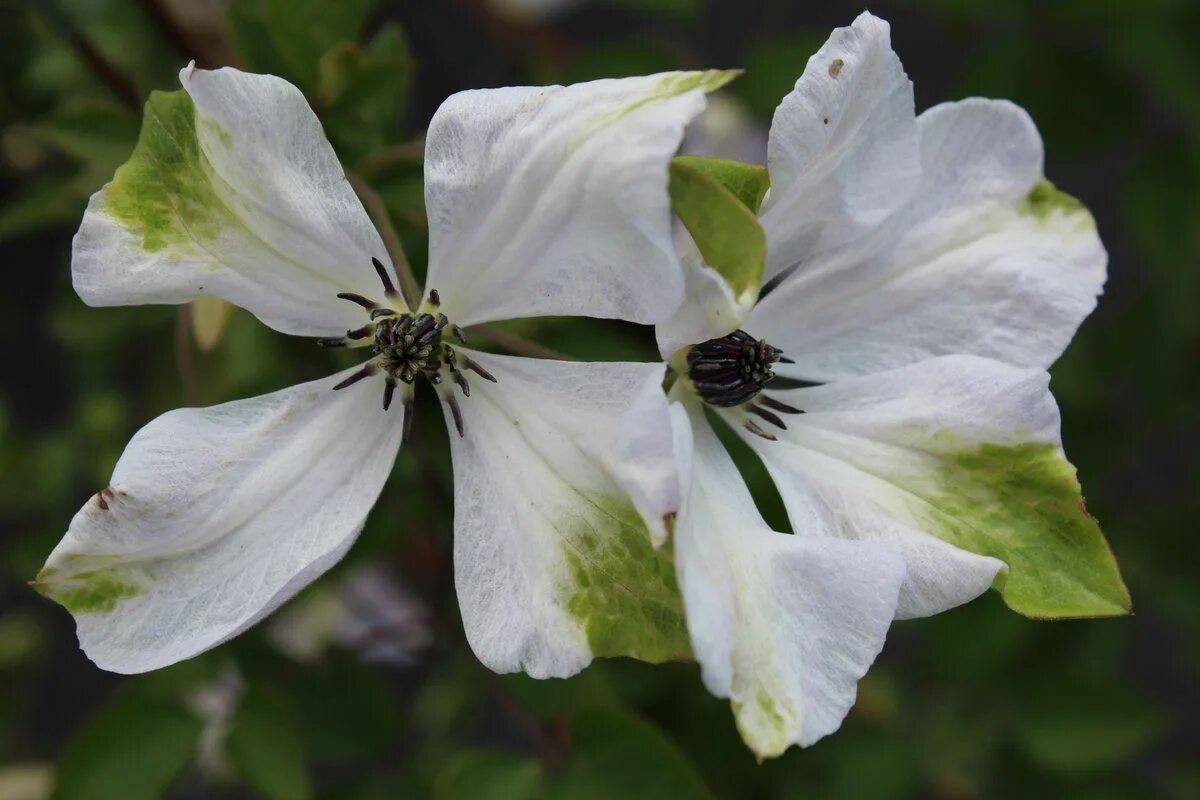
(541, 200)
(922, 274)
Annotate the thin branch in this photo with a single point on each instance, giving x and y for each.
(178, 36)
(515, 343)
(108, 73)
(391, 240)
(404, 153)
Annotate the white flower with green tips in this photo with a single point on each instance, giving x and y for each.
(541, 200)
(921, 276)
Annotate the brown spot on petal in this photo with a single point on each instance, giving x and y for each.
(835, 67)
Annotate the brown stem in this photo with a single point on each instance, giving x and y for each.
(515, 343)
(391, 240)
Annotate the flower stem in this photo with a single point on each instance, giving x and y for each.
(391, 240)
(515, 343)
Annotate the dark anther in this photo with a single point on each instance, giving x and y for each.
(731, 370)
(757, 431)
(458, 333)
(408, 415)
(769, 416)
(369, 305)
(382, 312)
(461, 380)
(470, 363)
(783, 408)
(786, 360)
(435, 299)
(389, 288)
(455, 412)
(389, 389)
(367, 371)
(360, 333)
(331, 342)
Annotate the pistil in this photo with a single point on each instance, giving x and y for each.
(732, 372)
(407, 345)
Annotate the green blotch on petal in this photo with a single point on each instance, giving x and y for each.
(762, 724)
(708, 80)
(97, 591)
(1023, 505)
(164, 193)
(1045, 199)
(623, 592)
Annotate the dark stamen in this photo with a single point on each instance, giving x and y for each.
(769, 416)
(358, 298)
(757, 431)
(367, 371)
(786, 360)
(408, 414)
(435, 299)
(331, 342)
(382, 312)
(461, 380)
(458, 333)
(360, 333)
(455, 412)
(389, 388)
(470, 363)
(389, 288)
(771, 402)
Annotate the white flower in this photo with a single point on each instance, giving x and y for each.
(923, 274)
(541, 200)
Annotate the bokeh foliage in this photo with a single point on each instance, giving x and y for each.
(975, 703)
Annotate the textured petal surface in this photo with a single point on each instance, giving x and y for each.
(988, 259)
(234, 192)
(554, 564)
(957, 451)
(709, 309)
(216, 516)
(843, 147)
(553, 200)
(782, 625)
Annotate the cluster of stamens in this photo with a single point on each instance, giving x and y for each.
(733, 371)
(408, 345)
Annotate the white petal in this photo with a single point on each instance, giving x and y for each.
(216, 516)
(783, 625)
(553, 200)
(988, 259)
(233, 192)
(709, 309)
(554, 564)
(957, 461)
(843, 147)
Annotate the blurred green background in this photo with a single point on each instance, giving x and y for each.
(364, 686)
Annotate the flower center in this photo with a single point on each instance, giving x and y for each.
(732, 372)
(407, 345)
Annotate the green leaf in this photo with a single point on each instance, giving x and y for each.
(723, 227)
(748, 182)
(363, 93)
(133, 749)
(303, 31)
(488, 775)
(264, 747)
(616, 754)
